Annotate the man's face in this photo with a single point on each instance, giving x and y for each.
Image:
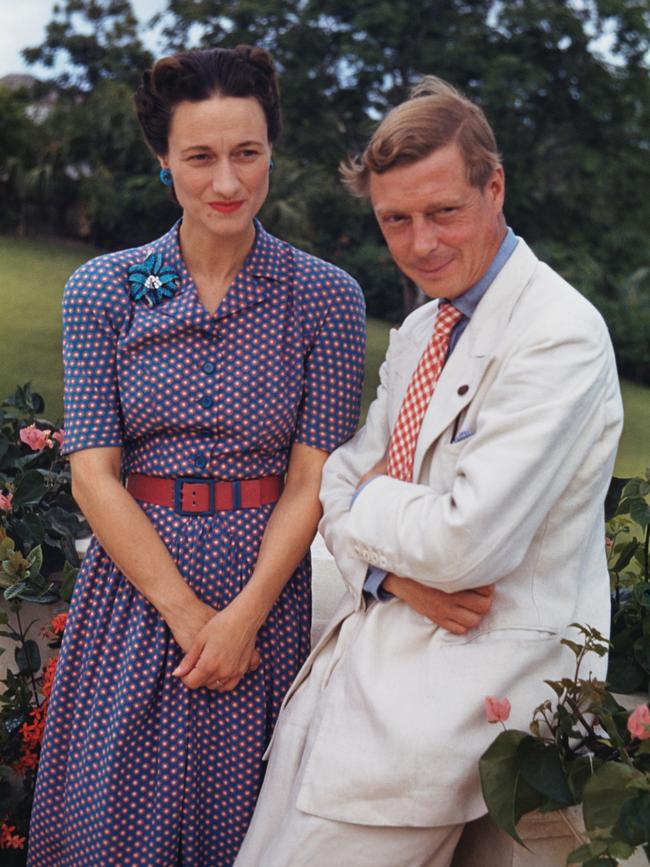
(442, 232)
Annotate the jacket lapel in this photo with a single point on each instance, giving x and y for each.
(479, 343)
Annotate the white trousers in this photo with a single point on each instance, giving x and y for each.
(281, 835)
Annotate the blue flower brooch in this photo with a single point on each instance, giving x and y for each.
(153, 282)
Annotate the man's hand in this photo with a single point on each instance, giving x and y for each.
(455, 612)
(379, 469)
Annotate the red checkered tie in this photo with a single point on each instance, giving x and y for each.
(401, 450)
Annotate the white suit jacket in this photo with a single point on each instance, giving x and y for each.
(516, 501)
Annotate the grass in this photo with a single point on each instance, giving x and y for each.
(32, 277)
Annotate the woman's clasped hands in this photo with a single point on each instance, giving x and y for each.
(219, 647)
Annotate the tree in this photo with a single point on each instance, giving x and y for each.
(98, 39)
(573, 123)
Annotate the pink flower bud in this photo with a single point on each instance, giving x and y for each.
(5, 502)
(638, 722)
(496, 709)
(57, 436)
(36, 439)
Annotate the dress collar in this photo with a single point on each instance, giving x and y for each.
(269, 262)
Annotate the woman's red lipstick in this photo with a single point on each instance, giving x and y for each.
(226, 207)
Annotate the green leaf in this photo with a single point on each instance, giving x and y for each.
(605, 793)
(640, 512)
(43, 597)
(576, 648)
(507, 795)
(28, 657)
(15, 590)
(633, 487)
(35, 560)
(580, 770)
(30, 489)
(542, 769)
(588, 850)
(621, 851)
(634, 820)
(627, 552)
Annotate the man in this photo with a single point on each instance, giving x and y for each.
(484, 461)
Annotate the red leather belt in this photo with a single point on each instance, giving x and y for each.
(191, 496)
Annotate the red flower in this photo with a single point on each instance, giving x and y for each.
(496, 709)
(638, 722)
(57, 624)
(8, 838)
(48, 676)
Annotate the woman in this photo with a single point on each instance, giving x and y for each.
(214, 368)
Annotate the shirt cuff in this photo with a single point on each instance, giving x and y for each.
(361, 487)
(373, 582)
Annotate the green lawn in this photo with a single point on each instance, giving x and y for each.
(32, 277)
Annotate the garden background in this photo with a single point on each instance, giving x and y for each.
(566, 87)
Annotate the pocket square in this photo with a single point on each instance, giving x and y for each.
(463, 435)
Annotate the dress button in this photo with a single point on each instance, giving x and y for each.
(200, 462)
(208, 367)
(206, 402)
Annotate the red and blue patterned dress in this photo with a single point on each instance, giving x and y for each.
(137, 769)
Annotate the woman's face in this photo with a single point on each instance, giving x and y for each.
(218, 154)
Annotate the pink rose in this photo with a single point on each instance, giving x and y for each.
(36, 439)
(638, 722)
(5, 502)
(57, 436)
(496, 709)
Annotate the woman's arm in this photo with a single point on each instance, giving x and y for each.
(133, 544)
(224, 649)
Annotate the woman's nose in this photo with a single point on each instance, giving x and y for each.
(224, 179)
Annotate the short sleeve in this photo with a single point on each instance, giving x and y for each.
(329, 412)
(92, 311)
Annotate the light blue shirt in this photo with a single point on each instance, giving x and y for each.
(467, 304)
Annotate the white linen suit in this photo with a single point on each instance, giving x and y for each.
(511, 468)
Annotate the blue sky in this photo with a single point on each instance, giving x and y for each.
(23, 22)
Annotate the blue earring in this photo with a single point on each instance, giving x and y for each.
(271, 164)
(166, 177)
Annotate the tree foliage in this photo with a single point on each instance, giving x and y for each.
(565, 86)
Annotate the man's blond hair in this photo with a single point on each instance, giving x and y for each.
(435, 115)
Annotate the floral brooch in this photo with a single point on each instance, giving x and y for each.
(153, 282)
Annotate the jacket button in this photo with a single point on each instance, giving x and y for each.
(463, 389)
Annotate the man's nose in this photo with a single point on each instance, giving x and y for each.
(425, 237)
(224, 179)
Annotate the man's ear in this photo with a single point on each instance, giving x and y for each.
(496, 187)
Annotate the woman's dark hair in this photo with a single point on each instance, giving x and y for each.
(199, 74)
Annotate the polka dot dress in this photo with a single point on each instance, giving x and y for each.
(136, 768)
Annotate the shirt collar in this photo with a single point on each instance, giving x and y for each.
(268, 258)
(468, 301)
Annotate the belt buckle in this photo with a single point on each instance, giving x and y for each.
(178, 495)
